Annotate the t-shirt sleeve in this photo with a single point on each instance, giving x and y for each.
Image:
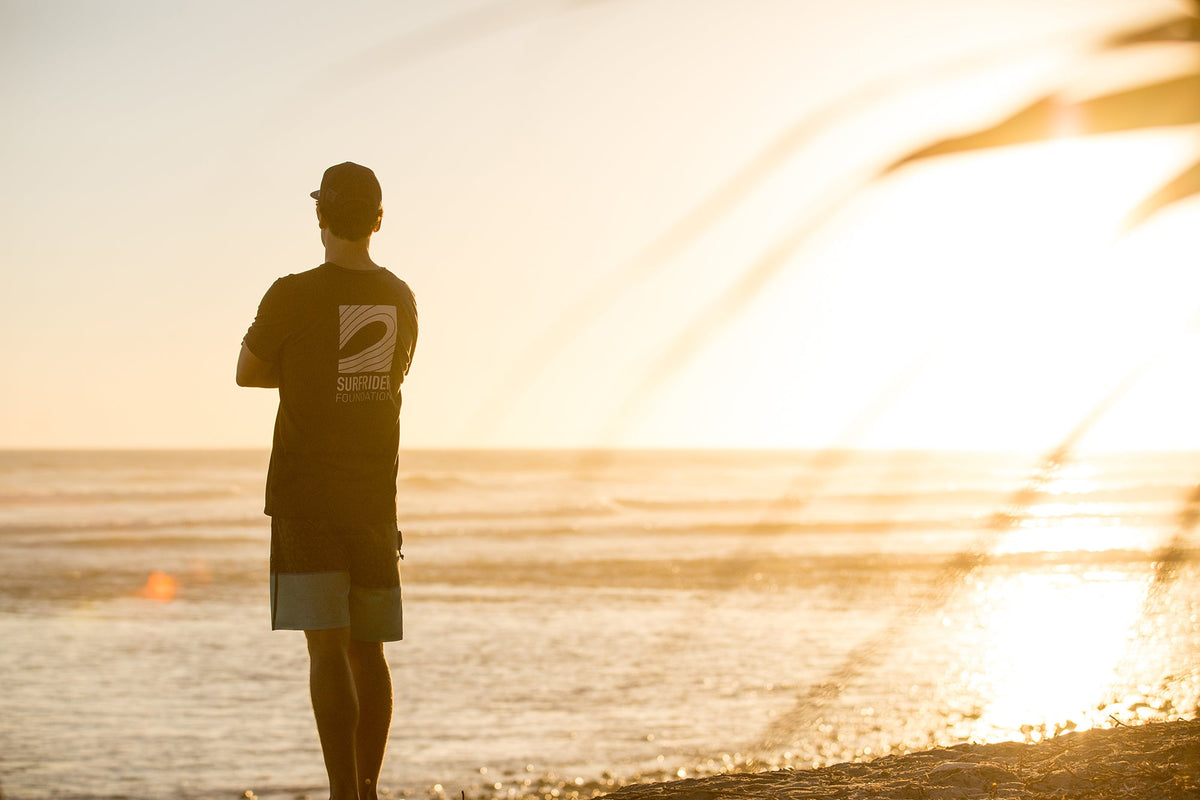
(266, 335)
(411, 316)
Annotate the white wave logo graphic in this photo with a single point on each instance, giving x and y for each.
(377, 352)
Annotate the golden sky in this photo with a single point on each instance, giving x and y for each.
(651, 223)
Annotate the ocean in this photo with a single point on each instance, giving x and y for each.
(578, 620)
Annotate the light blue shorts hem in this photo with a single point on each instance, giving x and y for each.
(317, 601)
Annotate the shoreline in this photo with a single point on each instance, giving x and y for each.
(1151, 761)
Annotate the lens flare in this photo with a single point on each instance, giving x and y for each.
(159, 587)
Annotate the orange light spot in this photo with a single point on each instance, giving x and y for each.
(159, 586)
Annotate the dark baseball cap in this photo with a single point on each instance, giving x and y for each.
(349, 184)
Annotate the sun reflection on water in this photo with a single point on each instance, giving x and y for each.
(1092, 534)
(1073, 479)
(1053, 642)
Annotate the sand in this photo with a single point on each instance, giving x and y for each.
(1158, 761)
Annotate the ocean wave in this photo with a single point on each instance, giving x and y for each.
(989, 498)
(840, 572)
(59, 529)
(435, 481)
(204, 576)
(946, 527)
(583, 511)
(736, 518)
(140, 494)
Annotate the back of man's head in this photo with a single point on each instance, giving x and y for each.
(350, 201)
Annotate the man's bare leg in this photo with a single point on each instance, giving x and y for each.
(373, 679)
(335, 706)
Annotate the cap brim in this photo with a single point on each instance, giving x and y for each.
(315, 195)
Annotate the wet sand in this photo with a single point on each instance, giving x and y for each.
(1157, 761)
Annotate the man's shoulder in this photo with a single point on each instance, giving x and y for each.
(398, 283)
(396, 288)
(309, 276)
(299, 282)
(328, 279)
(294, 279)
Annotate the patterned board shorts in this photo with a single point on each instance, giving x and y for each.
(328, 575)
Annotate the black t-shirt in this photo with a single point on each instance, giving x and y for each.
(343, 340)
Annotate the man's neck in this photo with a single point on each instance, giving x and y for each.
(349, 255)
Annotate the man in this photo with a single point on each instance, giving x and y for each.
(337, 341)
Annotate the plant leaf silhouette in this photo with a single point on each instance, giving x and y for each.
(1185, 184)
(1169, 102)
(705, 214)
(1174, 29)
(1175, 101)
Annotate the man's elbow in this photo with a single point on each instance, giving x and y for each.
(244, 376)
(257, 381)
(254, 372)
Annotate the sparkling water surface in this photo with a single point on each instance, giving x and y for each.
(574, 620)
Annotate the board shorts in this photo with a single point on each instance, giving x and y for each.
(327, 575)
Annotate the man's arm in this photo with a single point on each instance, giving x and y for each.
(253, 371)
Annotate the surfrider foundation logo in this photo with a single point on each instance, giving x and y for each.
(373, 353)
(366, 349)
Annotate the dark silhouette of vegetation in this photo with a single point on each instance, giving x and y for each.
(1169, 102)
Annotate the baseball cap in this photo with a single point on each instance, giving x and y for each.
(349, 184)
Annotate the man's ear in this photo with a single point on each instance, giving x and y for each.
(379, 222)
(320, 219)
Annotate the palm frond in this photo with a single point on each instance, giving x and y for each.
(1173, 29)
(1184, 185)
(1175, 101)
(1170, 102)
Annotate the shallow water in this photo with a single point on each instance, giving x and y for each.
(578, 618)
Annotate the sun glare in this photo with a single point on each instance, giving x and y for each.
(1053, 644)
(1066, 535)
(1035, 277)
(1065, 198)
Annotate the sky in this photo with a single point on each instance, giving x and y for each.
(661, 223)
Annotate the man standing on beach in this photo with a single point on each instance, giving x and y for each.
(337, 342)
